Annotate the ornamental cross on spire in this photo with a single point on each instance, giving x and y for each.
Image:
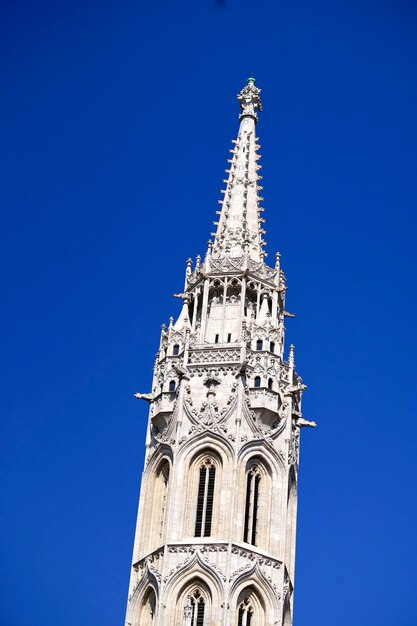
(249, 100)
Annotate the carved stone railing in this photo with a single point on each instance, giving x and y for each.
(164, 403)
(212, 355)
(227, 264)
(264, 398)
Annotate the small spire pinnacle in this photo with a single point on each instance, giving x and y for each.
(277, 260)
(291, 356)
(188, 271)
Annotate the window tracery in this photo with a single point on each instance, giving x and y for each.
(245, 613)
(194, 609)
(250, 608)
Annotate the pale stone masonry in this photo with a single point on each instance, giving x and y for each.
(215, 536)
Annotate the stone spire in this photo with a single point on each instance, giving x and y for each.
(239, 229)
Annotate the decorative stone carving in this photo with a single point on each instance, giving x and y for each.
(294, 447)
(240, 571)
(301, 423)
(181, 371)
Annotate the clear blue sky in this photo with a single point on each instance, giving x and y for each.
(116, 120)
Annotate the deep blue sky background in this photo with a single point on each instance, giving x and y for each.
(116, 120)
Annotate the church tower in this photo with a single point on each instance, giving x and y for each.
(215, 535)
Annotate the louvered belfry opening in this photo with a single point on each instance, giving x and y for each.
(205, 499)
(251, 505)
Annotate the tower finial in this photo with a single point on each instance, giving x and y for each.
(249, 100)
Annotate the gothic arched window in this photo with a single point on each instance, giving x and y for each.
(148, 609)
(257, 381)
(272, 346)
(176, 349)
(163, 480)
(172, 385)
(245, 613)
(194, 609)
(205, 497)
(259, 344)
(159, 494)
(253, 479)
(250, 608)
(270, 383)
(291, 514)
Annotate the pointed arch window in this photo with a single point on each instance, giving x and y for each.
(176, 350)
(164, 480)
(172, 385)
(251, 507)
(205, 497)
(194, 609)
(245, 613)
(259, 344)
(270, 383)
(147, 614)
(272, 346)
(257, 381)
(159, 496)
